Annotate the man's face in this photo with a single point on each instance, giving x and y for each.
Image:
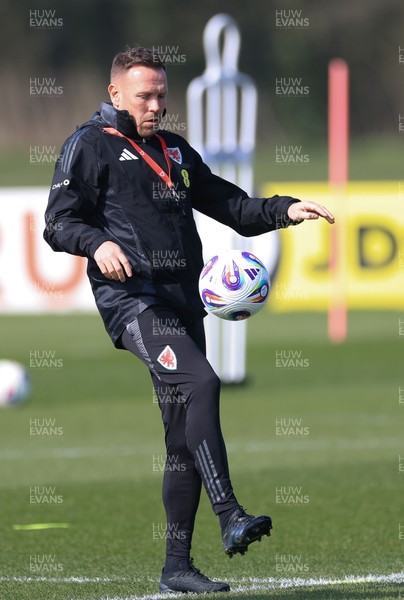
(142, 92)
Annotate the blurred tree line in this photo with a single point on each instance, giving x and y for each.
(77, 56)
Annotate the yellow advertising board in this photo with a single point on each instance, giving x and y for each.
(369, 233)
(369, 224)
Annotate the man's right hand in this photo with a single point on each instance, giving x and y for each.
(112, 262)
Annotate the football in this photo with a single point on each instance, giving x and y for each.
(15, 383)
(234, 285)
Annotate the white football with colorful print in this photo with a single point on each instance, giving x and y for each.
(15, 383)
(234, 285)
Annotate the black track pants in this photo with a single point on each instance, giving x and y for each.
(188, 392)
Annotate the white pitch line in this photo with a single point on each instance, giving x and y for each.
(248, 584)
(300, 444)
(271, 584)
(73, 579)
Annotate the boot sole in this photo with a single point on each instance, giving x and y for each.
(253, 534)
(165, 589)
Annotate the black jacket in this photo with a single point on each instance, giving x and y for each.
(101, 192)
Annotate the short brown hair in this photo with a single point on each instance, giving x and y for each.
(138, 55)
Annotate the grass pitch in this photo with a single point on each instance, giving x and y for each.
(315, 442)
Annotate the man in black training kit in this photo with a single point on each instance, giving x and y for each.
(122, 196)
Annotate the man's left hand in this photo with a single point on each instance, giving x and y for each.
(301, 211)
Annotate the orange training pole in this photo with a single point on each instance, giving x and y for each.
(338, 141)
